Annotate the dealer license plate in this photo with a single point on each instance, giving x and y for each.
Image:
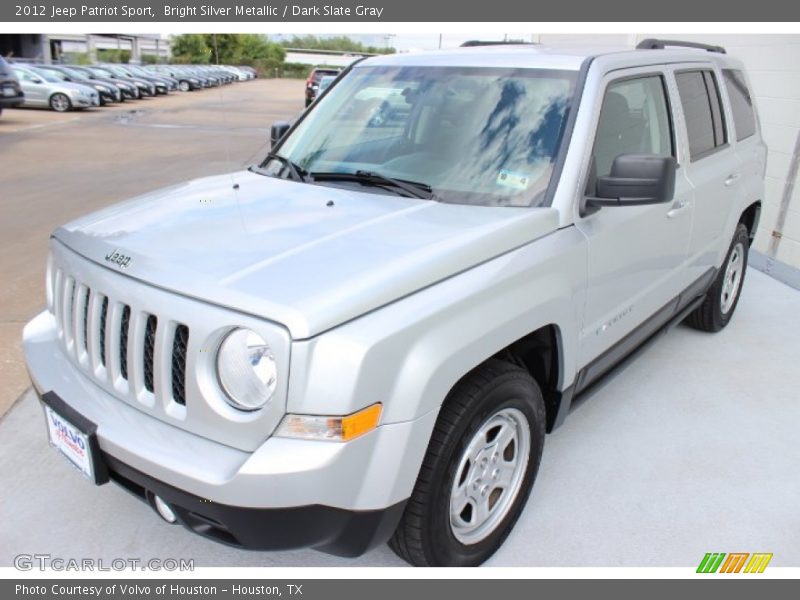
(71, 442)
(9, 91)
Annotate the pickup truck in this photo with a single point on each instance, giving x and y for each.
(368, 335)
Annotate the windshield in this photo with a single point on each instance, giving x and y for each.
(117, 71)
(57, 75)
(101, 72)
(485, 136)
(75, 74)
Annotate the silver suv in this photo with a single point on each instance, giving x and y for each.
(367, 336)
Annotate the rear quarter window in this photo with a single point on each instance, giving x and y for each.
(744, 118)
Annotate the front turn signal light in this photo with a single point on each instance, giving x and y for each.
(333, 429)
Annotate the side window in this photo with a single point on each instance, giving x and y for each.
(702, 109)
(744, 118)
(634, 119)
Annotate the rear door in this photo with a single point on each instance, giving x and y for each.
(713, 167)
(750, 148)
(35, 93)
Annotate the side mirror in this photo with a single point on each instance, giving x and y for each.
(35, 80)
(279, 129)
(636, 179)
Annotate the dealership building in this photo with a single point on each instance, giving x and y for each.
(56, 47)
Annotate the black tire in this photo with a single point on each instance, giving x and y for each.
(425, 536)
(710, 316)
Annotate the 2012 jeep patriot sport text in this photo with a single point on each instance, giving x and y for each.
(366, 336)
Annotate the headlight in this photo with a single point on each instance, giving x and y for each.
(246, 370)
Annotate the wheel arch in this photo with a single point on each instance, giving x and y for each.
(541, 353)
(750, 217)
(57, 93)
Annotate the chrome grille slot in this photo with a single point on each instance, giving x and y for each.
(58, 301)
(66, 310)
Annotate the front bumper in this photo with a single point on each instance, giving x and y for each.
(332, 530)
(342, 498)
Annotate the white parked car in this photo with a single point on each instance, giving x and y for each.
(45, 90)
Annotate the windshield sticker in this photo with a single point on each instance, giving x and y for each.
(516, 181)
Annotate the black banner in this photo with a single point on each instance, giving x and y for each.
(394, 589)
(389, 11)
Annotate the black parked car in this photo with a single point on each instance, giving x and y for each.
(130, 91)
(10, 90)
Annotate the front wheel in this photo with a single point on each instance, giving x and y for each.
(478, 470)
(60, 102)
(717, 309)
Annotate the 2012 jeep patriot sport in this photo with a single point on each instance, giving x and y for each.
(366, 336)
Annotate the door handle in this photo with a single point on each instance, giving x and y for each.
(731, 179)
(677, 209)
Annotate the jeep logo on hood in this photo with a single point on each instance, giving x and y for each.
(117, 258)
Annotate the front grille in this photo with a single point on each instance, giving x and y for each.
(90, 322)
(180, 343)
(149, 345)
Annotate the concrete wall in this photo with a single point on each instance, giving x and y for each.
(773, 63)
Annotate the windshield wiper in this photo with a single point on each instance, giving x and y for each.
(296, 170)
(413, 189)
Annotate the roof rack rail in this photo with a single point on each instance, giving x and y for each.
(475, 43)
(656, 44)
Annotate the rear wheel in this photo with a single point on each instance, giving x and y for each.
(717, 309)
(478, 470)
(184, 86)
(60, 102)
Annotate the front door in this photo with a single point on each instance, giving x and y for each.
(637, 254)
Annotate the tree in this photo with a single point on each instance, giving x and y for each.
(254, 48)
(191, 48)
(227, 48)
(339, 43)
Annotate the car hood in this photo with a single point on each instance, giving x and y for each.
(307, 256)
(66, 86)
